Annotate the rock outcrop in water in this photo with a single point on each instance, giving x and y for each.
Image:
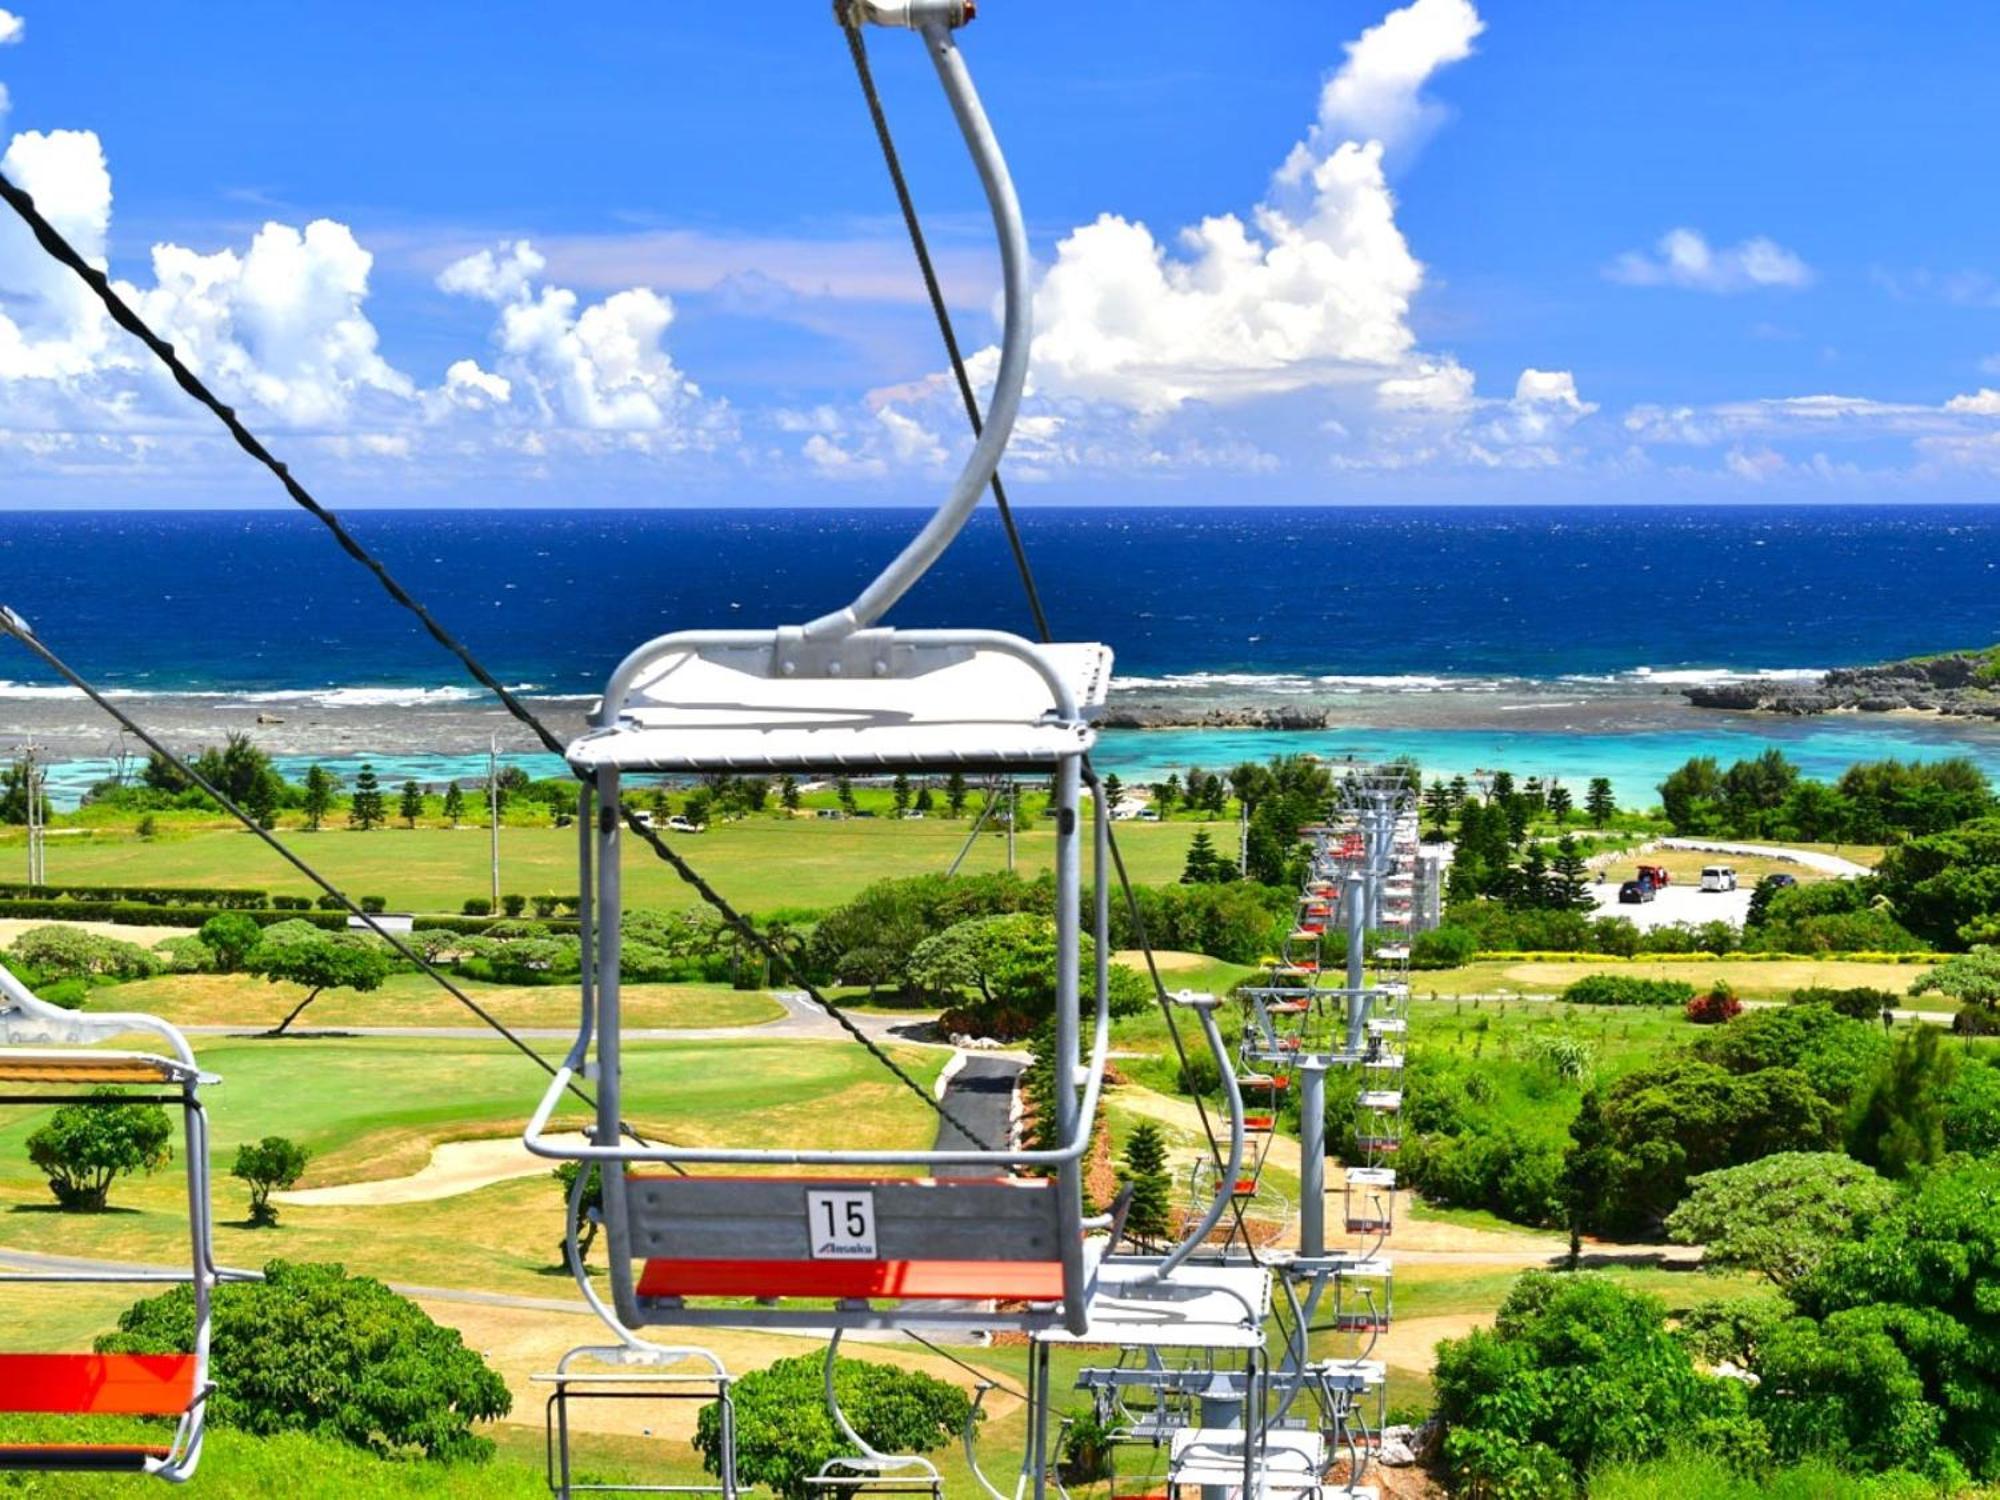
(1182, 716)
(1962, 683)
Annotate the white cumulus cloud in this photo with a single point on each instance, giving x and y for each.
(12, 28)
(1684, 258)
(1983, 403)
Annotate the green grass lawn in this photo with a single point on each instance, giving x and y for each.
(1751, 979)
(374, 1108)
(763, 862)
(418, 1000)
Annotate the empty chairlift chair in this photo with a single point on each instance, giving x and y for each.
(840, 696)
(51, 1056)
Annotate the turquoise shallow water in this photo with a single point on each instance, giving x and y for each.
(1635, 760)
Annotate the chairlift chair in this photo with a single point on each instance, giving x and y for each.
(49, 1056)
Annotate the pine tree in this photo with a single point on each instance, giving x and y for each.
(899, 792)
(1204, 866)
(1114, 792)
(366, 811)
(1460, 790)
(1503, 786)
(1530, 884)
(843, 788)
(1569, 878)
(411, 807)
(955, 794)
(1148, 1216)
(1598, 803)
(260, 800)
(1437, 804)
(788, 793)
(925, 802)
(1900, 1126)
(1560, 802)
(454, 804)
(319, 794)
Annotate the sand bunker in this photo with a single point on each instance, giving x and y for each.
(455, 1167)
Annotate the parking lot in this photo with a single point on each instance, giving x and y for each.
(1677, 903)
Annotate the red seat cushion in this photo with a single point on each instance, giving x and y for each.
(147, 1385)
(955, 1280)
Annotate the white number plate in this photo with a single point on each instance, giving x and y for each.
(841, 1225)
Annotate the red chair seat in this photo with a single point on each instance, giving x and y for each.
(145, 1385)
(953, 1280)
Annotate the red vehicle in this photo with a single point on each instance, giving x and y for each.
(1657, 874)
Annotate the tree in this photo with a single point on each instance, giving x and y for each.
(365, 811)
(1577, 1371)
(588, 1210)
(1437, 804)
(843, 789)
(1204, 865)
(696, 808)
(1560, 803)
(84, 1148)
(299, 953)
(454, 804)
(411, 806)
(320, 786)
(1691, 796)
(1569, 877)
(271, 1164)
(1148, 1216)
(784, 1435)
(311, 1349)
(1779, 1216)
(231, 936)
(925, 802)
(955, 792)
(58, 952)
(899, 792)
(261, 801)
(1945, 887)
(1900, 1125)
(1114, 793)
(788, 793)
(1970, 978)
(1167, 795)
(1598, 802)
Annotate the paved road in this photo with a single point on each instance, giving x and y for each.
(981, 1094)
(1677, 903)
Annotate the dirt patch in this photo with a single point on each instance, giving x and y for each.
(1411, 1343)
(455, 1167)
(521, 1343)
(1168, 960)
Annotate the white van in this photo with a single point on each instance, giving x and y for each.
(1718, 878)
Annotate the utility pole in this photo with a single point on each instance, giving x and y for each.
(493, 813)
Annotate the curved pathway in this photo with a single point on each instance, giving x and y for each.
(1812, 859)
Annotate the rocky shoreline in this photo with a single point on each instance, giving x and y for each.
(1964, 684)
(1281, 716)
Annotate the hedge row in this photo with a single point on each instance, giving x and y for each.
(1573, 956)
(222, 898)
(139, 914)
(1627, 989)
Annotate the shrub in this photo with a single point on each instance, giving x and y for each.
(1627, 989)
(1861, 1003)
(545, 906)
(230, 936)
(292, 903)
(477, 906)
(312, 1349)
(330, 902)
(1446, 947)
(513, 905)
(272, 1163)
(84, 1148)
(69, 953)
(374, 906)
(784, 1434)
(1976, 1020)
(1718, 1005)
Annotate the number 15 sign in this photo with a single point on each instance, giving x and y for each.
(841, 1225)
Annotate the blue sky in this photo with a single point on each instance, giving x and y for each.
(646, 254)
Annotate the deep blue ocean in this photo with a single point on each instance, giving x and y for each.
(1426, 627)
(177, 601)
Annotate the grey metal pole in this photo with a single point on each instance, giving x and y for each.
(1013, 816)
(1312, 1157)
(1222, 1406)
(493, 815)
(609, 915)
(1354, 900)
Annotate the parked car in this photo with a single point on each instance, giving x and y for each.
(1780, 881)
(1657, 874)
(1718, 878)
(679, 824)
(1632, 892)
